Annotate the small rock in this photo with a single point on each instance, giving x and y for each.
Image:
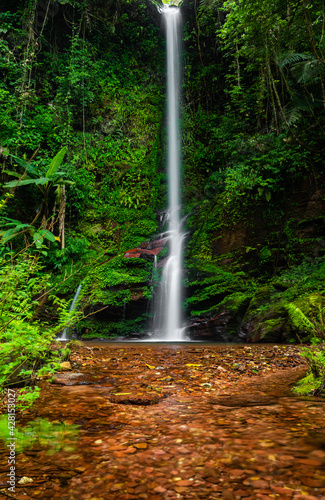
(141, 446)
(160, 489)
(227, 495)
(25, 480)
(65, 366)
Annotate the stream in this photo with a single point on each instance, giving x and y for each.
(177, 421)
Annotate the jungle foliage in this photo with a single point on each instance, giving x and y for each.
(82, 144)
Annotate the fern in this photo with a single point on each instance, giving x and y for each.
(299, 319)
(294, 109)
(306, 71)
(292, 58)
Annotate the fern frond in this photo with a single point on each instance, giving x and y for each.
(299, 319)
(306, 71)
(316, 299)
(207, 3)
(292, 115)
(294, 109)
(291, 58)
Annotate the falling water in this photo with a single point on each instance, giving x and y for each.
(64, 334)
(171, 285)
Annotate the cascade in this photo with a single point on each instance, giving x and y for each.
(64, 334)
(169, 315)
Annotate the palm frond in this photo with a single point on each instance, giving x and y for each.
(306, 71)
(292, 58)
(294, 109)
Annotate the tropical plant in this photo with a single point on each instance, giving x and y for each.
(315, 326)
(53, 178)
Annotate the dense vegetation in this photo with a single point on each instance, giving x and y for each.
(82, 143)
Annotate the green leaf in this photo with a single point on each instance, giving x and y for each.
(25, 182)
(56, 162)
(38, 239)
(47, 234)
(11, 233)
(14, 174)
(42, 180)
(20, 162)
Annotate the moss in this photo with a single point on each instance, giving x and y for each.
(237, 302)
(270, 328)
(94, 328)
(209, 284)
(260, 300)
(307, 385)
(112, 282)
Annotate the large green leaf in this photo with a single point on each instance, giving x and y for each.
(20, 162)
(38, 239)
(29, 167)
(56, 162)
(11, 233)
(47, 234)
(14, 174)
(24, 182)
(42, 180)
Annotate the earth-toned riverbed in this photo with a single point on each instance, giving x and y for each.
(178, 422)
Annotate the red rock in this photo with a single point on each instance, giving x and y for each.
(213, 479)
(183, 450)
(119, 454)
(179, 489)
(282, 491)
(258, 483)
(309, 461)
(305, 497)
(184, 482)
(141, 446)
(140, 489)
(109, 477)
(227, 494)
(236, 472)
(160, 489)
(158, 452)
(117, 486)
(130, 450)
(312, 483)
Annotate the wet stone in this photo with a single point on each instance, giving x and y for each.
(135, 399)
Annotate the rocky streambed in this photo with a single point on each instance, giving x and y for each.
(177, 422)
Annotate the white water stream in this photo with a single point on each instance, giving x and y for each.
(65, 332)
(171, 297)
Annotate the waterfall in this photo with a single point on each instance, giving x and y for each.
(64, 334)
(170, 300)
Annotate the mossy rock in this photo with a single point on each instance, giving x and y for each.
(270, 330)
(261, 298)
(237, 302)
(266, 318)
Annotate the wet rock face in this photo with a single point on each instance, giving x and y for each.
(269, 330)
(214, 328)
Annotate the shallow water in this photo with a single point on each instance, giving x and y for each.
(180, 421)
